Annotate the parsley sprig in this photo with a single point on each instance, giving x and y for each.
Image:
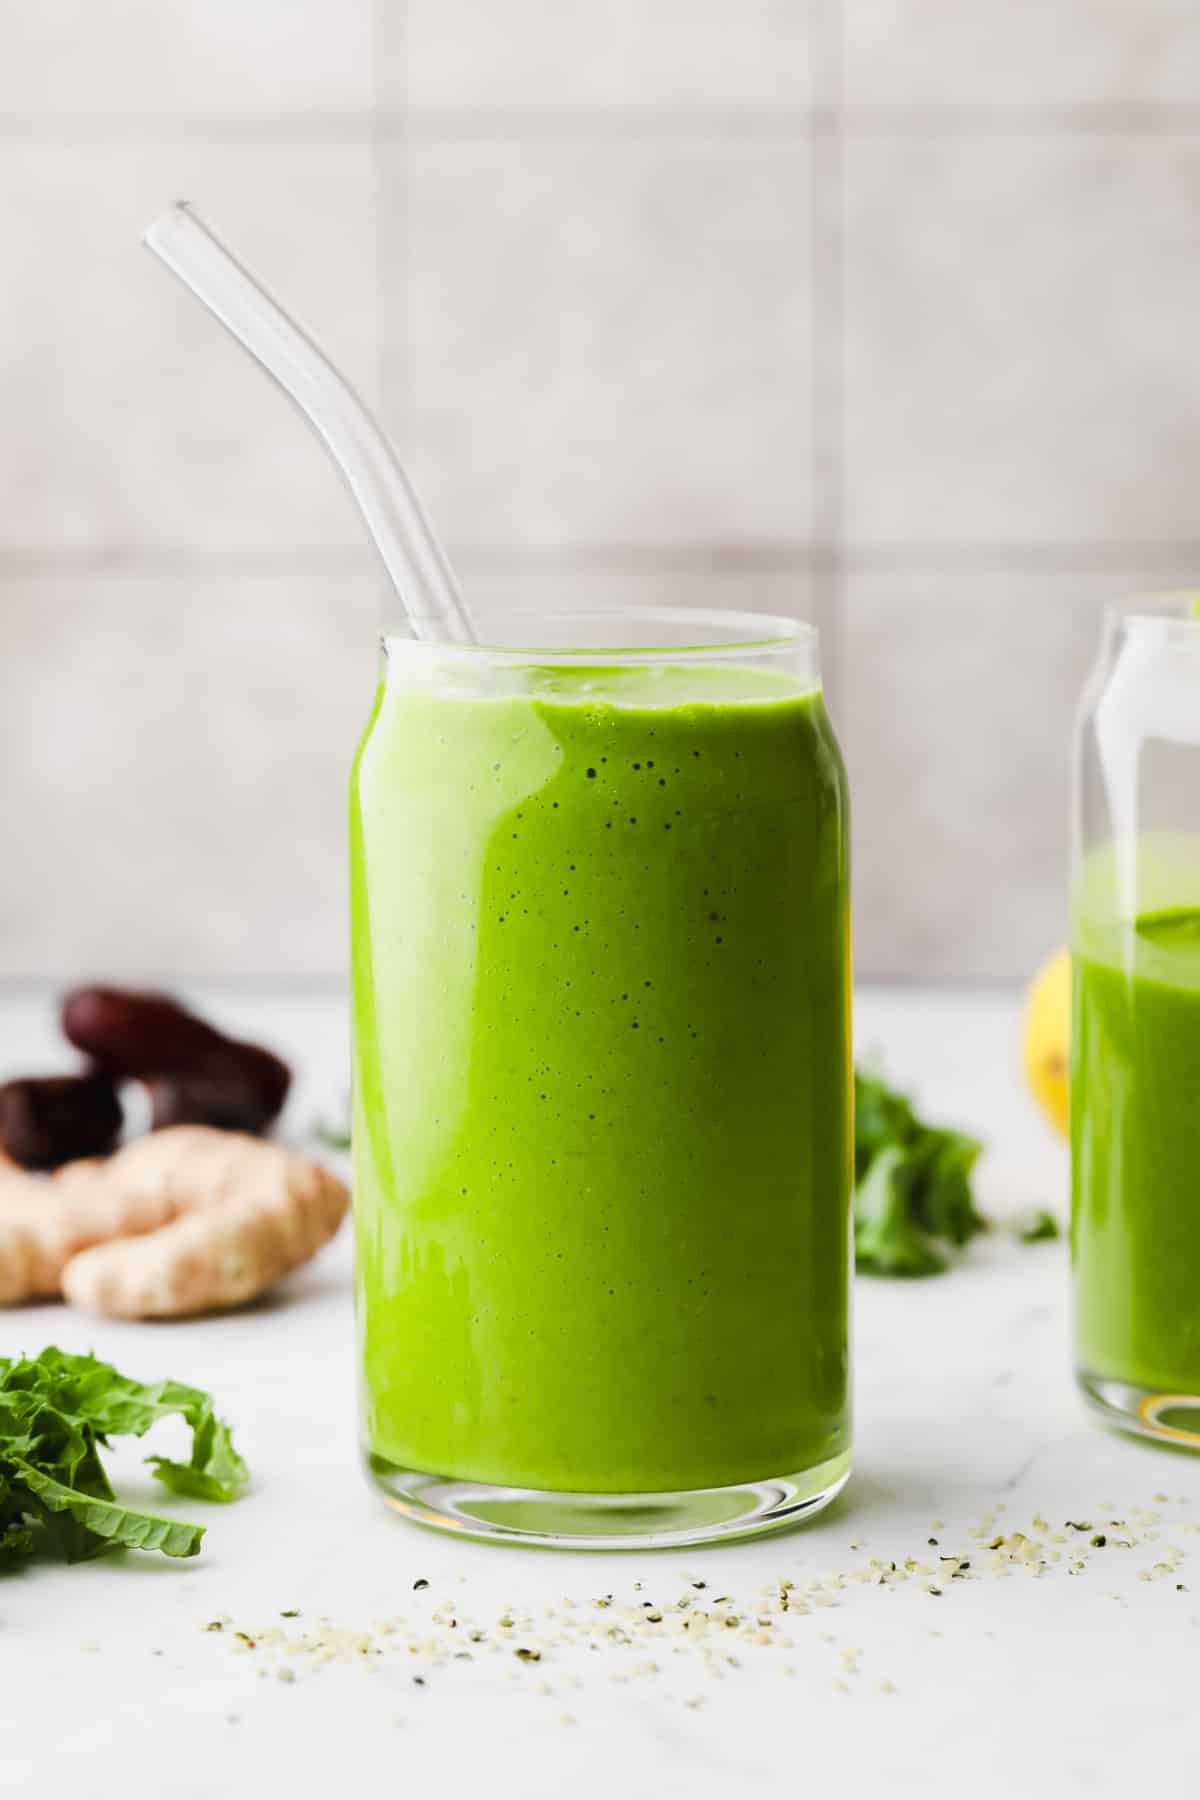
(913, 1201)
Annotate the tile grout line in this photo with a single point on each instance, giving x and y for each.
(387, 123)
(826, 336)
(377, 164)
(781, 120)
(1164, 557)
(390, 41)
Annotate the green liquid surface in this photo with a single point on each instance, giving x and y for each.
(602, 1080)
(1135, 1130)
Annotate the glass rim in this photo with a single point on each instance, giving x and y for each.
(1170, 609)
(701, 634)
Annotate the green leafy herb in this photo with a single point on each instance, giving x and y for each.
(1036, 1226)
(913, 1201)
(57, 1412)
(335, 1133)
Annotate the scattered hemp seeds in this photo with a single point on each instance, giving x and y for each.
(670, 1623)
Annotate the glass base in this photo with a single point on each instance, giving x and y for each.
(1156, 1413)
(480, 1509)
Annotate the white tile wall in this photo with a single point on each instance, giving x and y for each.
(132, 421)
(68, 60)
(957, 732)
(879, 312)
(607, 342)
(1015, 309)
(525, 55)
(964, 53)
(176, 756)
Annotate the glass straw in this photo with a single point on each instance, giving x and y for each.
(414, 559)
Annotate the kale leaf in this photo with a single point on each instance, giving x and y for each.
(57, 1411)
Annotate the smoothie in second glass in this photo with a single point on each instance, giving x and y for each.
(602, 1131)
(1136, 1155)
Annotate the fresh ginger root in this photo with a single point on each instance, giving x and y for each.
(186, 1220)
(41, 1229)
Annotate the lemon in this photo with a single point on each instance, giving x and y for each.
(1046, 1037)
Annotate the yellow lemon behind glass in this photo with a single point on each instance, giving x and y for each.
(1046, 1037)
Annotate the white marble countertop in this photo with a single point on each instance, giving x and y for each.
(1001, 1685)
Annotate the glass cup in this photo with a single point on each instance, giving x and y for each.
(602, 1092)
(1135, 1050)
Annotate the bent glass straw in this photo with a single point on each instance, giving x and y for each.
(414, 559)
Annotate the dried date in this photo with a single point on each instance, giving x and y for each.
(193, 1072)
(51, 1119)
(225, 1099)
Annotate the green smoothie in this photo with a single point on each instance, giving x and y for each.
(1135, 1130)
(602, 1134)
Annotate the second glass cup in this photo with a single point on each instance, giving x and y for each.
(1135, 1038)
(602, 1133)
